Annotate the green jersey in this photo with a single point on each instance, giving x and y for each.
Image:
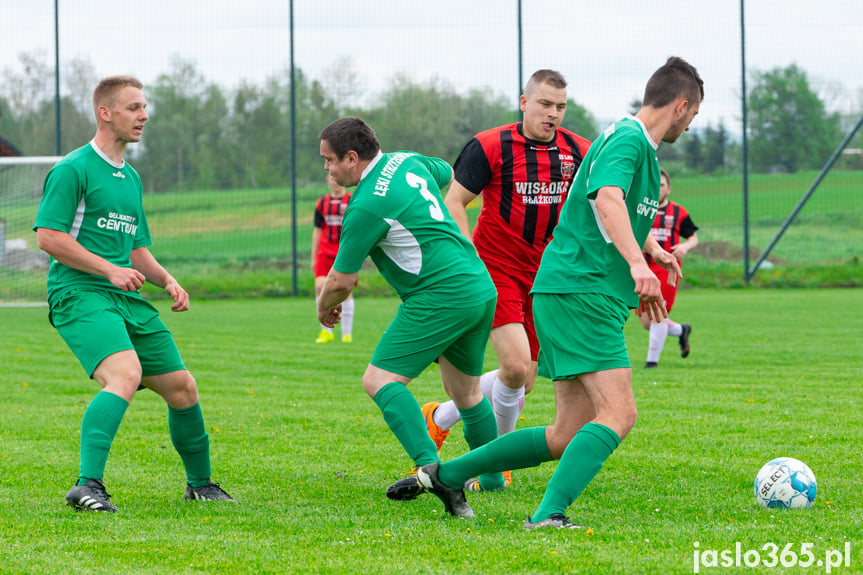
(581, 257)
(396, 215)
(99, 203)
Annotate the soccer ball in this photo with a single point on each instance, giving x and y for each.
(785, 483)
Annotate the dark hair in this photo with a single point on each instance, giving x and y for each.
(551, 77)
(106, 91)
(350, 133)
(662, 172)
(677, 78)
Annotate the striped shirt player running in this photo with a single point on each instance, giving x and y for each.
(329, 212)
(523, 172)
(671, 224)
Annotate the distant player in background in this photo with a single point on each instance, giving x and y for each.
(329, 212)
(396, 217)
(91, 222)
(672, 223)
(523, 172)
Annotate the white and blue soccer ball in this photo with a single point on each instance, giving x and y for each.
(785, 483)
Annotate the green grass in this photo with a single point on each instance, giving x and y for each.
(829, 229)
(237, 243)
(305, 451)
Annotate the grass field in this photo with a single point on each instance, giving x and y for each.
(237, 243)
(308, 456)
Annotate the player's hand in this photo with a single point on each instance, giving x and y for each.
(679, 251)
(126, 279)
(649, 291)
(671, 263)
(331, 316)
(178, 294)
(656, 311)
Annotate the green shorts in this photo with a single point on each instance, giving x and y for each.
(98, 323)
(579, 333)
(420, 334)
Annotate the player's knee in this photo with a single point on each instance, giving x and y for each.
(627, 418)
(123, 381)
(514, 373)
(372, 384)
(181, 391)
(645, 321)
(187, 383)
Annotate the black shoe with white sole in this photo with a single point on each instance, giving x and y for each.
(209, 492)
(90, 496)
(556, 521)
(453, 499)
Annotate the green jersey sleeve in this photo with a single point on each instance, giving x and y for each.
(361, 231)
(440, 170)
(615, 162)
(61, 195)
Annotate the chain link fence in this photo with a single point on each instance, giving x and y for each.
(216, 153)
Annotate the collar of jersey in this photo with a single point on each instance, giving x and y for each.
(371, 165)
(644, 129)
(102, 155)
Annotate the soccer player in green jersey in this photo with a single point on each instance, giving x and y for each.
(398, 218)
(592, 273)
(92, 224)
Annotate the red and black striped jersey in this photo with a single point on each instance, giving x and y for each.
(329, 212)
(523, 184)
(672, 223)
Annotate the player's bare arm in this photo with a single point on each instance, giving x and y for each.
(456, 201)
(143, 261)
(680, 250)
(615, 219)
(66, 250)
(337, 288)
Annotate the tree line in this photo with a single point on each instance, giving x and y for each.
(202, 136)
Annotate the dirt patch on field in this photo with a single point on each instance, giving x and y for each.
(729, 252)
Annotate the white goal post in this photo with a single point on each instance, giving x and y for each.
(23, 267)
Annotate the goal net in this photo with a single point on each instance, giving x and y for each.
(23, 267)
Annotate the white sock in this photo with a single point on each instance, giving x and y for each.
(507, 405)
(486, 383)
(446, 415)
(674, 329)
(347, 317)
(658, 334)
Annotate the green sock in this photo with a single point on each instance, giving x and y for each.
(98, 427)
(515, 450)
(480, 427)
(581, 461)
(405, 419)
(191, 441)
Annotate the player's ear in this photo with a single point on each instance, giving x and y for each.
(104, 113)
(681, 107)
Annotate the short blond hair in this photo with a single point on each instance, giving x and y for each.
(105, 93)
(551, 77)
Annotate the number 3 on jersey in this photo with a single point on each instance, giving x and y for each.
(415, 181)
